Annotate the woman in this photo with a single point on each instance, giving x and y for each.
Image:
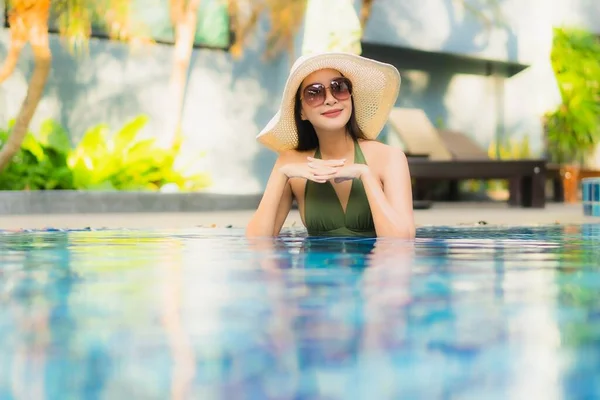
(346, 184)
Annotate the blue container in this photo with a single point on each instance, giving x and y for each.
(590, 191)
(586, 192)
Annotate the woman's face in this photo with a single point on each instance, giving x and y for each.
(326, 100)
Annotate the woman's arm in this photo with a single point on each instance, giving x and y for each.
(276, 202)
(392, 205)
(274, 206)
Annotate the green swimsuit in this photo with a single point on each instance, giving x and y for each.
(323, 212)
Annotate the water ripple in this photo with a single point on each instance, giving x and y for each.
(461, 312)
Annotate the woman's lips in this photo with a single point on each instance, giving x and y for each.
(332, 113)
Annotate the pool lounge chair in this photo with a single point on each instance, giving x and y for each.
(448, 155)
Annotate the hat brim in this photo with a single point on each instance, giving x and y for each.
(375, 89)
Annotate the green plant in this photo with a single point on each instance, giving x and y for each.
(127, 161)
(101, 160)
(511, 149)
(573, 128)
(508, 149)
(41, 162)
(440, 123)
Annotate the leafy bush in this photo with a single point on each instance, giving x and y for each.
(41, 163)
(573, 128)
(100, 161)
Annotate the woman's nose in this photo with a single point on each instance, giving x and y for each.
(329, 98)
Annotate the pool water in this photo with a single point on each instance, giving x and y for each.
(463, 313)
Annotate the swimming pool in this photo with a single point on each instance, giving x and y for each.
(465, 313)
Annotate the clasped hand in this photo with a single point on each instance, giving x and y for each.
(321, 171)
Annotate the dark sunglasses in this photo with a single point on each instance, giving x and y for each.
(314, 95)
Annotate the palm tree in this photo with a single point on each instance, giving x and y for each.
(365, 12)
(184, 18)
(285, 15)
(28, 23)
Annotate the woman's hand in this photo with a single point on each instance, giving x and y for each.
(342, 173)
(319, 172)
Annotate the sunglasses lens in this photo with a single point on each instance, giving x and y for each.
(340, 88)
(314, 95)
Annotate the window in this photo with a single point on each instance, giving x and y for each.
(213, 29)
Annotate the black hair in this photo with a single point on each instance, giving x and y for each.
(307, 136)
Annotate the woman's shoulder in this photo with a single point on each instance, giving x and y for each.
(381, 150)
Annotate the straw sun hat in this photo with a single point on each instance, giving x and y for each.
(375, 87)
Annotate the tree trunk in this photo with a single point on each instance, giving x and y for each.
(185, 31)
(365, 12)
(38, 38)
(18, 39)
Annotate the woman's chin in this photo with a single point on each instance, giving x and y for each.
(333, 124)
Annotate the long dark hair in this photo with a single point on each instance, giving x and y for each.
(307, 136)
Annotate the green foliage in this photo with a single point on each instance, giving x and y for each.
(124, 160)
(76, 20)
(41, 163)
(573, 128)
(509, 149)
(440, 123)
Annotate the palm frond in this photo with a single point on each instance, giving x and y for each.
(285, 19)
(76, 20)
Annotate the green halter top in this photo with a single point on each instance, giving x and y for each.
(323, 212)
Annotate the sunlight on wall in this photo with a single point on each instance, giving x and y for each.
(445, 25)
(584, 13)
(418, 23)
(419, 80)
(12, 91)
(323, 33)
(530, 93)
(471, 106)
(228, 127)
(437, 25)
(413, 89)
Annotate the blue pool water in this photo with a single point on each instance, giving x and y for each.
(464, 313)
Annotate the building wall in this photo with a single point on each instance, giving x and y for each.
(228, 101)
(468, 102)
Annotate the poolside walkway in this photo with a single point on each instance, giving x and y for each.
(462, 213)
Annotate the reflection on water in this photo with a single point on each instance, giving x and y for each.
(206, 314)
